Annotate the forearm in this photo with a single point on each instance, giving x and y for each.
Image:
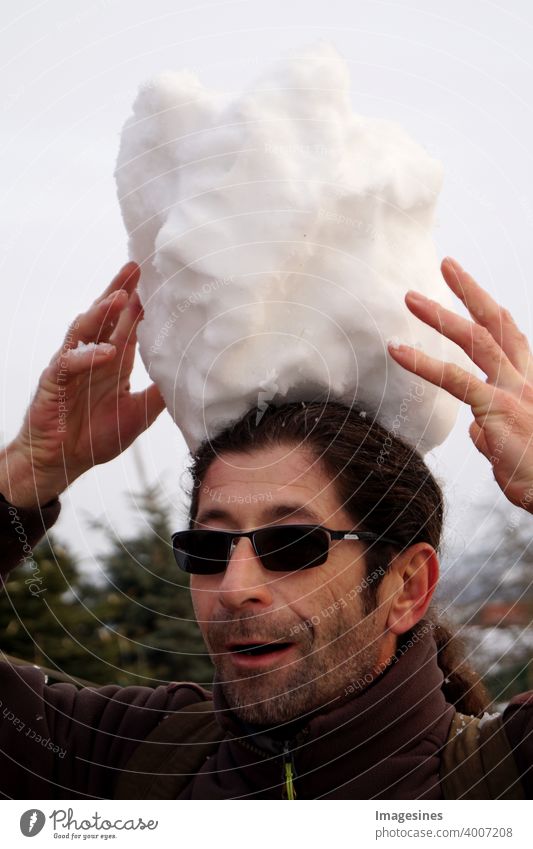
(28, 507)
(19, 482)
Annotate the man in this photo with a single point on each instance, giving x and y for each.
(327, 673)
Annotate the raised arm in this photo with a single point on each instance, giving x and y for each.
(83, 412)
(502, 405)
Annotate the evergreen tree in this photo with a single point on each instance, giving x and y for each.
(146, 605)
(43, 622)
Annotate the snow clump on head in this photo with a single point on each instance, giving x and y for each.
(277, 234)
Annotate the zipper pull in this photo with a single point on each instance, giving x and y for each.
(289, 774)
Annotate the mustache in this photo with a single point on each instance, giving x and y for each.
(255, 627)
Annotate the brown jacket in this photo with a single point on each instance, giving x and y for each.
(60, 742)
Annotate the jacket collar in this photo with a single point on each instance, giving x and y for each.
(402, 712)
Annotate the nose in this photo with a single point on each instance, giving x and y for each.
(245, 580)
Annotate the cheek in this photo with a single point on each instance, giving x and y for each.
(334, 600)
(309, 598)
(202, 600)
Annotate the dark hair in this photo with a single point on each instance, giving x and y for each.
(382, 482)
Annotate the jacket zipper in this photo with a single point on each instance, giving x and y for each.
(288, 768)
(289, 773)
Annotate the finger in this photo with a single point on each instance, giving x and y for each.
(150, 404)
(124, 337)
(488, 313)
(449, 376)
(126, 279)
(475, 340)
(72, 362)
(125, 332)
(97, 324)
(478, 438)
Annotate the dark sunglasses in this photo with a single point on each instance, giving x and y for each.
(281, 548)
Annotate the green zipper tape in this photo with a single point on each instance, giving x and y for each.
(290, 792)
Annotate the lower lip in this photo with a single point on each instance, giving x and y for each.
(256, 661)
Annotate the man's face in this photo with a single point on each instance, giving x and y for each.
(319, 611)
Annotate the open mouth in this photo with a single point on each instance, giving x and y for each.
(258, 648)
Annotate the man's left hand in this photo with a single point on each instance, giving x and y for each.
(502, 405)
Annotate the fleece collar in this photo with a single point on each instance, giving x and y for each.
(380, 735)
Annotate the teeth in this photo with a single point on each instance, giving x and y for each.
(259, 648)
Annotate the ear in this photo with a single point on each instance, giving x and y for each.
(414, 574)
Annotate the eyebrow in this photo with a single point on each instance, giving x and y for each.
(273, 511)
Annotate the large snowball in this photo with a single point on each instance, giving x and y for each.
(277, 235)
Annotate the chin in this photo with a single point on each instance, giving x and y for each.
(262, 703)
(267, 716)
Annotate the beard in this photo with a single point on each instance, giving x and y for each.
(324, 662)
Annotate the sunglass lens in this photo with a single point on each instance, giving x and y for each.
(288, 548)
(201, 552)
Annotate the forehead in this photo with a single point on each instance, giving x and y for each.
(267, 485)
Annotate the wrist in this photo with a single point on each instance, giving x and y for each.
(21, 483)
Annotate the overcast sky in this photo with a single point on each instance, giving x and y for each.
(457, 76)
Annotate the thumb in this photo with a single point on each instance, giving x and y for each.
(151, 402)
(478, 438)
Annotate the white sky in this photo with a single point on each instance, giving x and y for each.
(457, 76)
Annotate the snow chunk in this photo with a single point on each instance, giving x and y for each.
(82, 347)
(486, 718)
(277, 235)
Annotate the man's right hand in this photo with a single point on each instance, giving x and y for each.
(83, 412)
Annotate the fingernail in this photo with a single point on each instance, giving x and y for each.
(416, 296)
(396, 345)
(114, 296)
(451, 261)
